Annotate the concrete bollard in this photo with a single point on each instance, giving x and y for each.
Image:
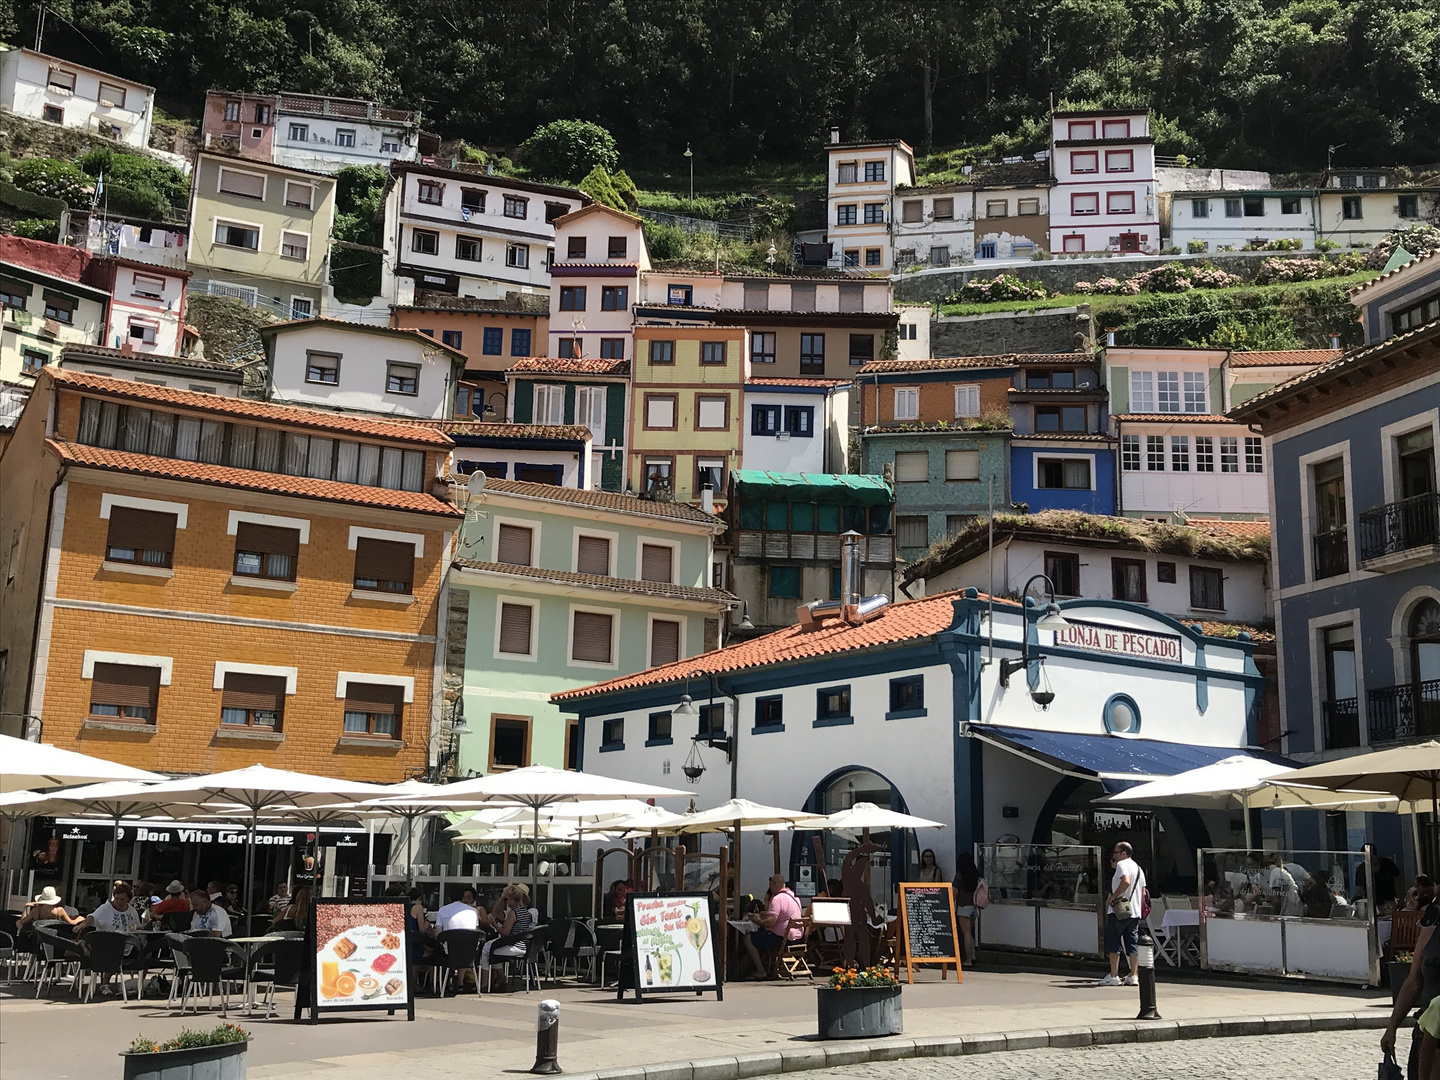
(547, 1038)
(1146, 973)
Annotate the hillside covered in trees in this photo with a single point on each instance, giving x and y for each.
(1240, 83)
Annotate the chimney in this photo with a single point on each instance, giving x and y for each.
(127, 348)
(850, 573)
(707, 499)
(1110, 336)
(834, 136)
(1334, 341)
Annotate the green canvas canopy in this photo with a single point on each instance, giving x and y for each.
(849, 489)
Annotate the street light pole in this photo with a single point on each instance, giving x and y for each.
(691, 158)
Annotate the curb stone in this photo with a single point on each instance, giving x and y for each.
(800, 1059)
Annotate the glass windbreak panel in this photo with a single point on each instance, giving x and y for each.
(1286, 884)
(1059, 874)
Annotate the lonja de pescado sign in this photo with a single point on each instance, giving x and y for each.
(1098, 637)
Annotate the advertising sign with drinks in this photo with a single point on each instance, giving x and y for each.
(360, 954)
(669, 944)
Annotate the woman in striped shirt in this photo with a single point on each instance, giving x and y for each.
(512, 919)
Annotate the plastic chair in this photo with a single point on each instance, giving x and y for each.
(178, 922)
(207, 967)
(459, 951)
(1167, 944)
(104, 961)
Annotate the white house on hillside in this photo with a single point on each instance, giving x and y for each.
(795, 425)
(1104, 197)
(44, 87)
(861, 179)
(600, 255)
(361, 367)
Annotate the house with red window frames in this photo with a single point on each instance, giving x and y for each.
(1105, 196)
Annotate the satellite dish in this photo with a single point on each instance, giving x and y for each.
(476, 483)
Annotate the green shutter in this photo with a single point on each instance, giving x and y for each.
(569, 403)
(524, 401)
(615, 414)
(1119, 390)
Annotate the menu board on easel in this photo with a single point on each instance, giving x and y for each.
(358, 948)
(927, 925)
(667, 945)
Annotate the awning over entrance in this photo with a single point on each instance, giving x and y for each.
(853, 489)
(1115, 761)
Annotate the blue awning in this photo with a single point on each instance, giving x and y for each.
(1116, 761)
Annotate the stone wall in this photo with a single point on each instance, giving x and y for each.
(1060, 274)
(1043, 331)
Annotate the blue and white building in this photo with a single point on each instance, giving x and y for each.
(1062, 456)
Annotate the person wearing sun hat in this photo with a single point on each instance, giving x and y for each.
(47, 906)
(175, 900)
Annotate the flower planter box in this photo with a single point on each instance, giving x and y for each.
(1397, 974)
(861, 1013)
(224, 1062)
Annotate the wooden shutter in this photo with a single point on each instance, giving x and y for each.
(592, 637)
(151, 530)
(384, 560)
(514, 545)
(267, 539)
(664, 642)
(374, 698)
(125, 684)
(593, 556)
(655, 562)
(515, 628)
(263, 692)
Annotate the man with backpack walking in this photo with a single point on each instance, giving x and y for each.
(1122, 921)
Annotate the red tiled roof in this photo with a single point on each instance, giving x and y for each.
(609, 500)
(560, 365)
(701, 594)
(500, 429)
(780, 381)
(904, 621)
(245, 409)
(881, 367)
(367, 328)
(1245, 530)
(1174, 418)
(1283, 357)
(421, 502)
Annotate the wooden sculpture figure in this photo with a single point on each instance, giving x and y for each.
(855, 876)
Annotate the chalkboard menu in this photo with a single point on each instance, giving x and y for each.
(927, 925)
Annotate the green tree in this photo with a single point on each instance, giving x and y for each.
(359, 193)
(565, 149)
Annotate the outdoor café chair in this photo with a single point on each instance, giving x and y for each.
(534, 953)
(560, 947)
(793, 959)
(60, 956)
(104, 960)
(459, 951)
(7, 954)
(1167, 942)
(286, 967)
(607, 944)
(208, 966)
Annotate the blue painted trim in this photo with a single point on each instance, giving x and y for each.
(656, 742)
(833, 721)
(815, 804)
(1202, 680)
(1134, 708)
(906, 714)
(606, 748)
(767, 729)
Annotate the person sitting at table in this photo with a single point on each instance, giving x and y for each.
(777, 926)
(175, 899)
(216, 892)
(459, 914)
(511, 919)
(119, 913)
(208, 917)
(1420, 895)
(1283, 888)
(281, 900)
(48, 906)
(231, 900)
(1222, 897)
(613, 907)
(295, 914)
(1317, 899)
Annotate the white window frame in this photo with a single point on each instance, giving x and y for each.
(349, 133)
(300, 525)
(220, 179)
(614, 614)
(1035, 469)
(358, 532)
(226, 667)
(1187, 380)
(533, 656)
(1392, 433)
(145, 324)
(259, 234)
(1315, 630)
(297, 133)
(291, 232)
(519, 523)
(970, 392)
(343, 679)
(108, 501)
(658, 541)
(588, 394)
(99, 656)
(548, 391)
(517, 256)
(650, 620)
(909, 394)
(602, 534)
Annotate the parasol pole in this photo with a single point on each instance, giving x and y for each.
(1245, 812)
(535, 861)
(250, 871)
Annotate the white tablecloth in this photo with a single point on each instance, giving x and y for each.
(1174, 917)
(745, 926)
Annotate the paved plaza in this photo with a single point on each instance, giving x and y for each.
(470, 1037)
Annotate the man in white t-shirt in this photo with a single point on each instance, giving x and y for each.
(459, 914)
(119, 913)
(211, 918)
(1122, 935)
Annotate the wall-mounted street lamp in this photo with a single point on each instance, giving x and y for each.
(1050, 619)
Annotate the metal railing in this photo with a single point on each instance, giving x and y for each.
(1342, 723)
(253, 299)
(1331, 552)
(728, 229)
(1400, 526)
(1411, 711)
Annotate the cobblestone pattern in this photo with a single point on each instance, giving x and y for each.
(1320, 1055)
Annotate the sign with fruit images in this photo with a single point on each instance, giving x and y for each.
(360, 956)
(669, 941)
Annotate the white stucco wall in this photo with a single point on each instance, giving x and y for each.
(135, 299)
(364, 356)
(25, 89)
(783, 452)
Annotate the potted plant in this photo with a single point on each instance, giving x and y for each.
(1398, 971)
(217, 1054)
(859, 1004)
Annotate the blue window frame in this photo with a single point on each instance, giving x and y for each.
(519, 342)
(764, 419)
(907, 697)
(987, 249)
(612, 734)
(770, 713)
(800, 420)
(659, 733)
(832, 706)
(494, 341)
(785, 582)
(451, 338)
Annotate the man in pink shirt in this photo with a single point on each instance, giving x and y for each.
(777, 926)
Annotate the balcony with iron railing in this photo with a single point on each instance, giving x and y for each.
(1342, 723)
(1401, 534)
(1401, 713)
(1331, 552)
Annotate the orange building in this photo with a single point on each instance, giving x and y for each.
(201, 583)
(494, 334)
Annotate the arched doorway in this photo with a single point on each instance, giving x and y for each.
(824, 852)
(1423, 631)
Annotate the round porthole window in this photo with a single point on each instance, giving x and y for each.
(1122, 716)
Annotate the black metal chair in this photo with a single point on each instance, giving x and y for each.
(459, 951)
(286, 968)
(104, 960)
(535, 940)
(560, 946)
(209, 964)
(178, 922)
(59, 954)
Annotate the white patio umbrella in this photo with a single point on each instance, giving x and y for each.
(399, 800)
(539, 786)
(644, 821)
(259, 790)
(1244, 782)
(864, 816)
(27, 765)
(737, 814)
